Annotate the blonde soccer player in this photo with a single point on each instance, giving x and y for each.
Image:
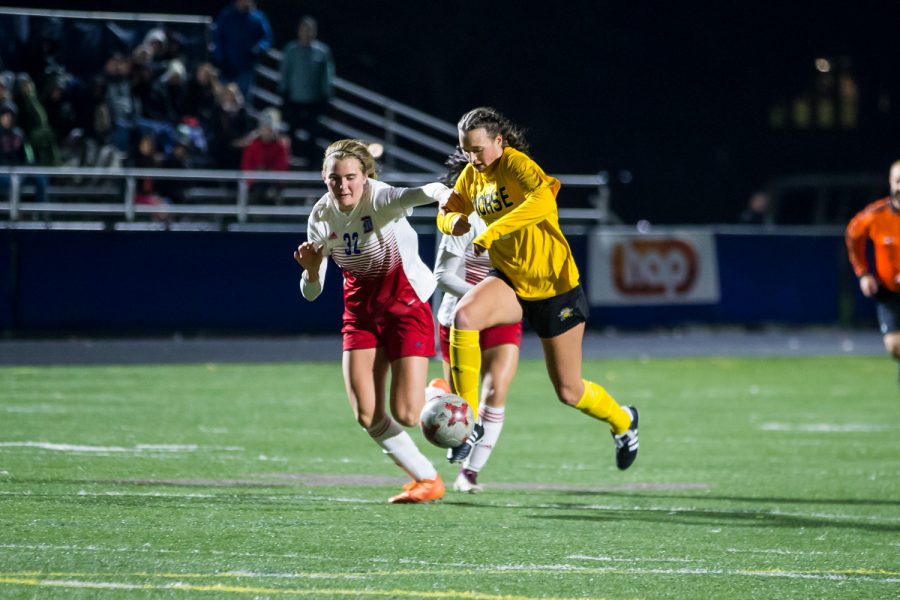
(388, 326)
(534, 274)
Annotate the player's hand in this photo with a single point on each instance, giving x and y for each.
(309, 257)
(452, 202)
(868, 285)
(478, 249)
(461, 226)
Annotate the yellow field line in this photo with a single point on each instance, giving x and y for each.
(231, 589)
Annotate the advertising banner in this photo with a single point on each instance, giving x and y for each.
(660, 268)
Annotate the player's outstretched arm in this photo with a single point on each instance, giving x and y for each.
(310, 257)
(452, 216)
(406, 198)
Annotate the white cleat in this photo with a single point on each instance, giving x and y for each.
(467, 483)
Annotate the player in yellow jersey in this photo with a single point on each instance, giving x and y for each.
(534, 274)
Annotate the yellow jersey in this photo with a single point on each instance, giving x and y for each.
(517, 200)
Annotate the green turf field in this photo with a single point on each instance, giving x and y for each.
(757, 478)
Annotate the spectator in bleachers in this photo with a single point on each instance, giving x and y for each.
(98, 149)
(13, 147)
(58, 98)
(147, 157)
(7, 84)
(178, 158)
(141, 77)
(203, 89)
(169, 99)
(35, 123)
(154, 45)
(230, 127)
(15, 151)
(758, 210)
(123, 107)
(269, 151)
(42, 50)
(242, 34)
(176, 49)
(306, 86)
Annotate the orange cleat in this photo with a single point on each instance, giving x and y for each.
(416, 492)
(441, 384)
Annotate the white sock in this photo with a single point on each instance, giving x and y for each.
(431, 392)
(492, 421)
(398, 444)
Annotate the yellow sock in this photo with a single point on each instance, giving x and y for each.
(465, 364)
(597, 403)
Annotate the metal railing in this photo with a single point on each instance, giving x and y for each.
(106, 16)
(410, 137)
(300, 189)
(830, 197)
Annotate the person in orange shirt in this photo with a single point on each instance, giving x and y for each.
(879, 222)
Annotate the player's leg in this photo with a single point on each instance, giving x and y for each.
(365, 374)
(498, 368)
(892, 345)
(560, 323)
(408, 376)
(888, 311)
(562, 355)
(442, 384)
(407, 380)
(491, 302)
(409, 344)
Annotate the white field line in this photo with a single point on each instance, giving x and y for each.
(827, 427)
(136, 449)
(295, 498)
(27, 409)
(669, 510)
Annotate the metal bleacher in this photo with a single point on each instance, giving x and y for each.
(415, 147)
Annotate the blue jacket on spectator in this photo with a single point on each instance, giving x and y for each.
(240, 36)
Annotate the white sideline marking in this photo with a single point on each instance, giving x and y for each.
(71, 583)
(137, 449)
(827, 427)
(631, 559)
(46, 409)
(148, 494)
(39, 579)
(778, 551)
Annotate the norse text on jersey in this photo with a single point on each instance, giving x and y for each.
(492, 201)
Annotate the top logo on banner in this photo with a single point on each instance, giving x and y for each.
(659, 269)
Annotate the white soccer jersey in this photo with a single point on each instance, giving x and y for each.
(375, 247)
(472, 268)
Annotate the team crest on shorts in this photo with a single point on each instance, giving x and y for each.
(367, 224)
(566, 313)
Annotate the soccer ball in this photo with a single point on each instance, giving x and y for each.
(447, 420)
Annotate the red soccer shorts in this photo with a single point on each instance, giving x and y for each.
(410, 333)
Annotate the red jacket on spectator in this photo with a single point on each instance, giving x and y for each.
(263, 155)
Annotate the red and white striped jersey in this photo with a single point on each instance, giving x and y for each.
(472, 268)
(375, 247)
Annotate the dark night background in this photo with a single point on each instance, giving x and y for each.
(681, 95)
